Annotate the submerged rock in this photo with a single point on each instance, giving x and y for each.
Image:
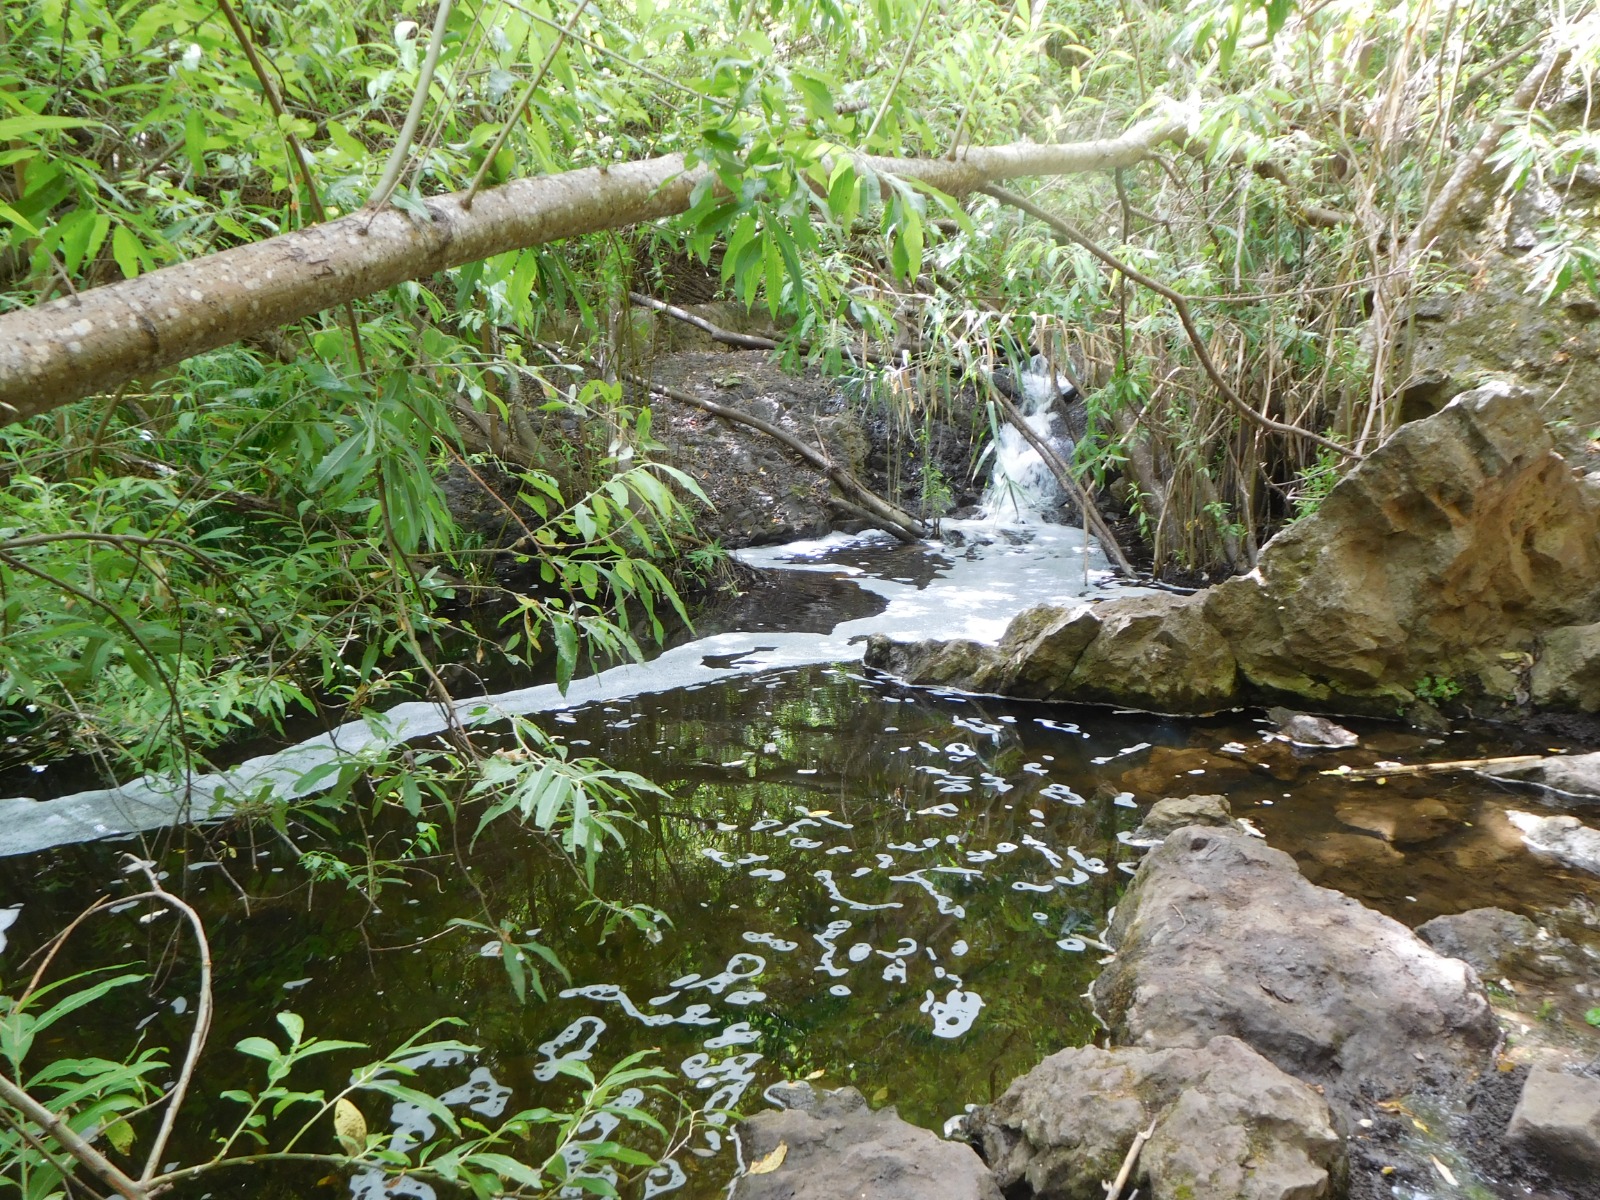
(1399, 820)
(1227, 1125)
(840, 1149)
(1220, 934)
(1445, 556)
(1565, 839)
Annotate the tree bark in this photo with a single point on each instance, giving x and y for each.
(79, 345)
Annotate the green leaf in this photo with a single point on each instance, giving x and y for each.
(17, 219)
(506, 1167)
(258, 1047)
(194, 140)
(566, 639)
(20, 127)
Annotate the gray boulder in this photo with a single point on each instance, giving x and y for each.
(1489, 940)
(1558, 1118)
(1221, 934)
(840, 1149)
(1566, 839)
(1228, 1125)
(1567, 674)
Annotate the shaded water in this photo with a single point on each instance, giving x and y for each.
(866, 884)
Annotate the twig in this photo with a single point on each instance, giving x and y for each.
(1114, 1188)
(1180, 305)
(894, 84)
(522, 104)
(886, 515)
(744, 341)
(74, 1144)
(402, 146)
(1460, 764)
(202, 1024)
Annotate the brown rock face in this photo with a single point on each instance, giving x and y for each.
(1460, 539)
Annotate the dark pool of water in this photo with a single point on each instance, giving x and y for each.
(866, 884)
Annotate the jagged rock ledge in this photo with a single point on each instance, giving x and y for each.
(1464, 553)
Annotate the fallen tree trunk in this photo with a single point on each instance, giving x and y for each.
(99, 339)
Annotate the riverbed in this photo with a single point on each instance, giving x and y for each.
(858, 882)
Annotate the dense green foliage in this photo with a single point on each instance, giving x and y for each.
(263, 534)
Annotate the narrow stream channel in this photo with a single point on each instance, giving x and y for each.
(893, 888)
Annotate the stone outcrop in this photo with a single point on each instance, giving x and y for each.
(1220, 934)
(1454, 552)
(838, 1148)
(1226, 1125)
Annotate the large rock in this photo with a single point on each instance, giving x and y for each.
(1447, 555)
(1172, 813)
(1153, 652)
(1220, 934)
(1558, 1117)
(968, 665)
(1566, 839)
(1462, 538)
(1228, 1125)
(840, 1149)
(1567, 674)
(1489, 940)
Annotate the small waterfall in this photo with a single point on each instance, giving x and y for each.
(1022, 488)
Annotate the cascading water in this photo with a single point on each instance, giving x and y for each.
(1022, 487)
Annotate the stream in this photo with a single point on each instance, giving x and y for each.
(899, 889)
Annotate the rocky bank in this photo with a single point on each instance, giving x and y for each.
(1459, 563)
